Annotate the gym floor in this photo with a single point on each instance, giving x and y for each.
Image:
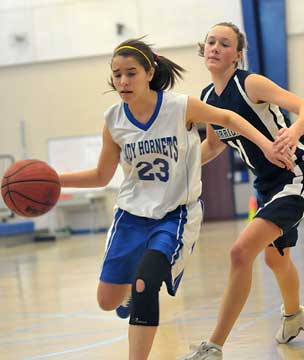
(48, 306)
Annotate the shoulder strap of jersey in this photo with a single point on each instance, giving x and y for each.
(241, 75)
(206, 92)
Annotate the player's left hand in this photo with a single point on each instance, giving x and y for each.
(286, 141)
(278, 158)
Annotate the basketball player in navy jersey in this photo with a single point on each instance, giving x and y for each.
(280, 191)
(153, 135)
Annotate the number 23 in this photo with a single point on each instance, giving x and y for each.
(148, 171)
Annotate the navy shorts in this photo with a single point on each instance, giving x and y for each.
(283, 206)
(129, 236)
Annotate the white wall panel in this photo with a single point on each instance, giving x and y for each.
(294, 17)
(93, 26)
(12, 4)
(182, 23)
(50, 35)
(80, 28)
(23, 4)
(14, 26)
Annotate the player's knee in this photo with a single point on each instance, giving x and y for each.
(238, 256)
(145, 302)
(140, 285)
(105, 303)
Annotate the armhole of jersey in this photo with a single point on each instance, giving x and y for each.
(109, 119)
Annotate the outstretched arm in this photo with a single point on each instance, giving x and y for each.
(197, 111)
(104, 171)
(212, 146)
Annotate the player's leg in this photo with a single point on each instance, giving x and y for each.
(292, 314)
(254, 238)
(280, 214)
(288, 210)
(258, 234)
(140, 341)
(169, 245)
(287, 277)
(153, 269)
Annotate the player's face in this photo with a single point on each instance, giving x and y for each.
(130, 79)
(220, 49)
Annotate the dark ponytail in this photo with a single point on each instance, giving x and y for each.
(166, 74)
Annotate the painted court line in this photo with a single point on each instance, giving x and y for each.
(81, 348)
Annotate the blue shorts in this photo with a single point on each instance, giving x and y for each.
(284, 206)
(129, 236)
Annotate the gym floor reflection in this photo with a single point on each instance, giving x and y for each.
(48, 306)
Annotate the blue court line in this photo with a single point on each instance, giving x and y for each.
(122, 337)
(81, 348)
(47, 338)
(260, 317)
(212, 317)
(37, 326)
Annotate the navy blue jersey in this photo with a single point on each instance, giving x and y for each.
(267, 118)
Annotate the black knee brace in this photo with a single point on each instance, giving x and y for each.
(153, 270)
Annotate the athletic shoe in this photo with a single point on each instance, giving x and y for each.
(205, 352)
(290, 326)
(123, 311)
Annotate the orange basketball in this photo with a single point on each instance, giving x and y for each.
(30, 188)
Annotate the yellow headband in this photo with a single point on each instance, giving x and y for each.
(133, 48)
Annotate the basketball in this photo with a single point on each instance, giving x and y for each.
(30, 188)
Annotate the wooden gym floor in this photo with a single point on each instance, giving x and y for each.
(48, 307)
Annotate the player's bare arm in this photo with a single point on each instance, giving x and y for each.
(212, 146)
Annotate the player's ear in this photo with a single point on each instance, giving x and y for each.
(151, 73)
(239, 56)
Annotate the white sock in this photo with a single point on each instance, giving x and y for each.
(290, 315)
(219, 347)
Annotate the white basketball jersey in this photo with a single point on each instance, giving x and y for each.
(161, 159)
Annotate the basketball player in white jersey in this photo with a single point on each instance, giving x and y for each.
(153, 135)
(280, 192)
